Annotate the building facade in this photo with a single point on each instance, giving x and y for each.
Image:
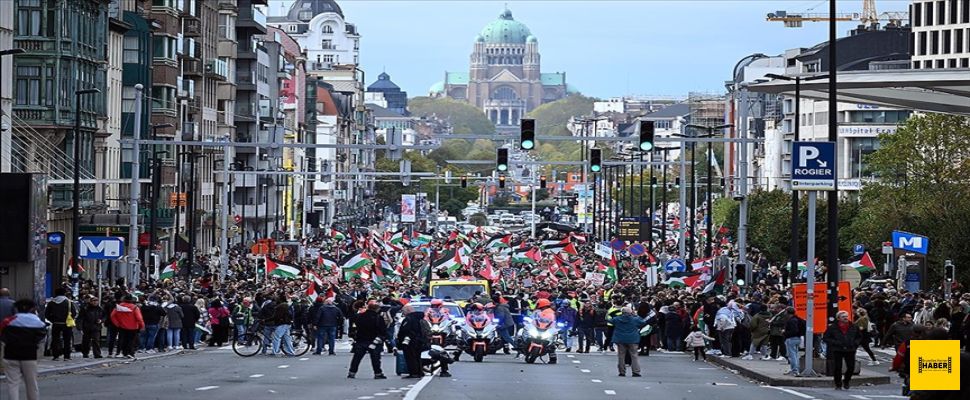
(504, 78)
(393, 97)
(940, 34)
(6, 70)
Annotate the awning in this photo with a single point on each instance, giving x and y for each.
(943, 91)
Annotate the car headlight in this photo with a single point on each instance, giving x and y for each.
(546, 335)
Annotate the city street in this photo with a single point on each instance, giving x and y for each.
(220, 374)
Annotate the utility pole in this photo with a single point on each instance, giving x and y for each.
(134, 191)
(224, 237)
(743, 188)
(682, 242)
(832, 259)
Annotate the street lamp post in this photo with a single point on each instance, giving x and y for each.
(5, 53)
(156, 186)
(76, 210)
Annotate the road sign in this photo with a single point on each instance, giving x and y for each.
(55, 238)
(637, 249)
(675, 265)
(911, 242)
(813, 166)
(887, 247)
(604, 250)
(101, 248)
(629, 228)
(800, 297)
(858, 249)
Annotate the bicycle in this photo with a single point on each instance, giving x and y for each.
(250, 342)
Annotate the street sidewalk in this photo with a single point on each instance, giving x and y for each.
(772, 373)
(45, 366)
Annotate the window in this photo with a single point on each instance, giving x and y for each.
(28, 85)
(132, 50)
(965, 63)
(946, 42)
(328, 58)
(822, 118)
(28, 18)
(966, 11)
(958, 41)
(128, 99)
(935, 42)
(165, 47)
(929, 14)
(306, 15)
(940, 12)
(922, 43)
(940, 63)
(917, 14)
(326, 44)
(953, 11)
(163, 97)
(326, 29)
(227, 26)
(861, 147)
(878, 116)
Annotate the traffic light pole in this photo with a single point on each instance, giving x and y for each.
(681, 240)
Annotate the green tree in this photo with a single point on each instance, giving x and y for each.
(923, 186)
(464, 117)
(551, 120)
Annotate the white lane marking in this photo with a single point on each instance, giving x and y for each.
(380, 394)
(416, 390)
(271, 391)
(394, 391)
(257, 376)
(860, 397)
(293, 377)
(304, 359)
(703, 368)
(283, 366)
(365, 397)
(576, 361)
(229, 347)
(887, 396)
(597, 381)
(585, 371)
(791, 392)
(610, 392)
(204, 388)
(570, 356)
(724, 384)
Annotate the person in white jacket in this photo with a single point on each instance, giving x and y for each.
(925, 315)
(725, 321)
(695, 340)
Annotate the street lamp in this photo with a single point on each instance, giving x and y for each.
(5, 53)
(76, 211)
(710, 165)
(156, 187)
(793, 245)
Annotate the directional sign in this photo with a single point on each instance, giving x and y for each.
(813, 166)
(800, 299)
(911, 242)
(101, 248)
(675, 265)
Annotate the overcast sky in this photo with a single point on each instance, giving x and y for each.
(606, 48)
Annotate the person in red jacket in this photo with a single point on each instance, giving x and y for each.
(127, 318)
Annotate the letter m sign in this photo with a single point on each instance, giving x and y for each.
(100, 248)
(911, 242)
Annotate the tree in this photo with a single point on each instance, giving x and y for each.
(923, 187)
(464, 117)
(478, 219)
(551, 120)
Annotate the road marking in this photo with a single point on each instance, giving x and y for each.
(204, 388)
(791, 392)
(283, 366)
(380, 394)
(394, 391)
(887, 396)
(416, 390)
(610, 392)
(256, 376)
(724, 384)
(860, 397)
(585, 371)
(706, 368)
(597, 381)
(304, 359)
(365, 397)
(576, 361)
(293, 377)
(570, 356)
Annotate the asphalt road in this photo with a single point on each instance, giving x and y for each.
(220, 374)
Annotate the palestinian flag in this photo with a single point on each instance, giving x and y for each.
(488, 272)
(609, 270)
(802, 266)
(388, 270)
(717, 284)
(863, 264)
(421, 239)
(356, 264)
(547, 243)
(699, 263)
(577, 268)
(523, 256)
(499, 242)
(313, 278)
(399, 239)
(274, 268)
(405, 262)
(336, 235)
(169, 271)
(675, 282)
(567, 248)
(579, 237)
(311, 292)
(328, 264)
(451, 261)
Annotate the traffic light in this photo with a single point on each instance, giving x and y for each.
(677, 181)
(948, 272)
(646, 135)
(527, 134)
(722, 182)
(653, 181)
(464, 181)
(542, 182)
(502, 159)
(501, 181)
(595, 160)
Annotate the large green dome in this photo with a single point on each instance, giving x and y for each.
(505, 30)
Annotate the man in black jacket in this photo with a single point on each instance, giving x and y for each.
(413, 338)
(57, 311)
(89, 321)
(842, 338)
(369, 336)
(327, 319)
(21, 335)
(190, 315)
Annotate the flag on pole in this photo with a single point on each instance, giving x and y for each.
(356, 264)
(451, 261)
(169, 271)
(399, 239)
(328, 264)
(717, 284)
(567, 248)
(421, 239)
(499, 241)
(699, 263)
(313, 278)
(311, 292)
(274, 268)
(336, 235)
(523, 256)
(488, 272)
(863, 264)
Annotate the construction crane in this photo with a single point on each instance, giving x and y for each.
(869, 17)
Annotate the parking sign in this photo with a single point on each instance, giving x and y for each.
(813, 166)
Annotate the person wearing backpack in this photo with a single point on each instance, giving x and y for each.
(61, 313)
(242, 316)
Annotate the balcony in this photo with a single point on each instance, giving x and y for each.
(192, 67)
(252, 18)
(227, 48)
(217, 69)
(192, 26)
(245, 82)
(229, 5)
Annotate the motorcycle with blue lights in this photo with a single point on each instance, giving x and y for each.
(477, 334)
(538, 338)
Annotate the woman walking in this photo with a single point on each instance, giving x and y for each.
(219, 318)
(865, 327)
